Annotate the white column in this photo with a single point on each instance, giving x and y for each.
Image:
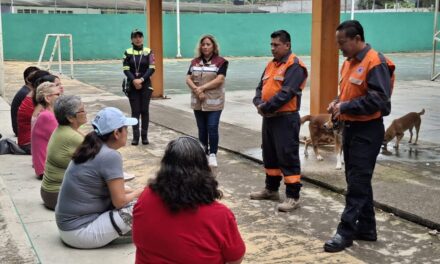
(178, 55)
(352, 9)
(2, 74)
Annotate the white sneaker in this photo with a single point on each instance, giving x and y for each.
(288, 205)
(128, 176)
(212, 160)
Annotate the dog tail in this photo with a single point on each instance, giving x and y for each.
(305, 119)
(422, 112)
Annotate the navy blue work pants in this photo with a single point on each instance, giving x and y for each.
(280, 136)
(361, 143)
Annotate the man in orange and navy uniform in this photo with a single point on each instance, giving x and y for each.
(366, 83)
(278, 100)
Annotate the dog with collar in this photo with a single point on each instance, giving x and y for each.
(323, 131)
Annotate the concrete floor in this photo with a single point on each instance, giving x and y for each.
(271, 237)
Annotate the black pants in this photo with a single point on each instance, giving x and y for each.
(140, 104)
(362, 142)
(49, 198)
(281, 153)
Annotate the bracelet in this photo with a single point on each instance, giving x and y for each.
(142, 79)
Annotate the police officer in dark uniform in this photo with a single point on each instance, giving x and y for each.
(365, 90)
(138, 66)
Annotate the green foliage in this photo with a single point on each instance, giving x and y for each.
(380, 4)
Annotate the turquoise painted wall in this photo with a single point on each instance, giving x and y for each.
(107, 36)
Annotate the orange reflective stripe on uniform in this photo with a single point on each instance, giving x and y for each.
(273, 172)
(292, 179)
(273, 80)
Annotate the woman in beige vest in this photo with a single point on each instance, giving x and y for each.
(205, 78)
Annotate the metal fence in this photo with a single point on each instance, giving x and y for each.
(206, 6)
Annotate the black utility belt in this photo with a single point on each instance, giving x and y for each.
(359, 123)
(284, 113)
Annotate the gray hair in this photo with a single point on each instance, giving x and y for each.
(66, 106)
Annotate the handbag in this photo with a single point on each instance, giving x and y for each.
(126, 86)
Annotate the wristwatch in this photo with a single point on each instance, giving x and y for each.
(142, 79)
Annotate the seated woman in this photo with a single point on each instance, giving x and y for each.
(94, 208)
(37, 106)
(177, 218)
(24, 114)
(70, 114)
(45, 124)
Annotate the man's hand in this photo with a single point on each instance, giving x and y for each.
(261, 111)
(331, 106)
(336, 110)
(201, 96)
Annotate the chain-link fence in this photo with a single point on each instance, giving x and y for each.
(206, 6)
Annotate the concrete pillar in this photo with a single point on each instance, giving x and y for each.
(325, 54)
(155, 42)
(2, 76)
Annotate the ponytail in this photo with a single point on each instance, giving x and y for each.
(91, 146)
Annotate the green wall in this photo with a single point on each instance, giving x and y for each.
(107, 36)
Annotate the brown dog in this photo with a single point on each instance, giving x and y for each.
(322, 132)
(400, 125)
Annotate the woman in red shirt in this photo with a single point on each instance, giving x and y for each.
(24, 114)
(177, 218)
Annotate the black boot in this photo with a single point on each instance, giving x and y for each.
(145, 138)
(337, 243)
(135, 140)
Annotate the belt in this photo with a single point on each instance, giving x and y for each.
(354, 123)
(284, 113)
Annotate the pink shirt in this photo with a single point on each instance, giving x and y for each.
(40, 135)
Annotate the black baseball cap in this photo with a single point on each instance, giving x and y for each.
(136, 32)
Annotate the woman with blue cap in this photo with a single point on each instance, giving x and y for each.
(94, 207)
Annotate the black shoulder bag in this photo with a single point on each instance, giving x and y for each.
(125, 86)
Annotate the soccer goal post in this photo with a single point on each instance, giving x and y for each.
(57, 49)
(436, 40)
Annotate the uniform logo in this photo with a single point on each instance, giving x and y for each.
(360, 69)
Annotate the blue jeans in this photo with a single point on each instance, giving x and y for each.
(207, 123)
